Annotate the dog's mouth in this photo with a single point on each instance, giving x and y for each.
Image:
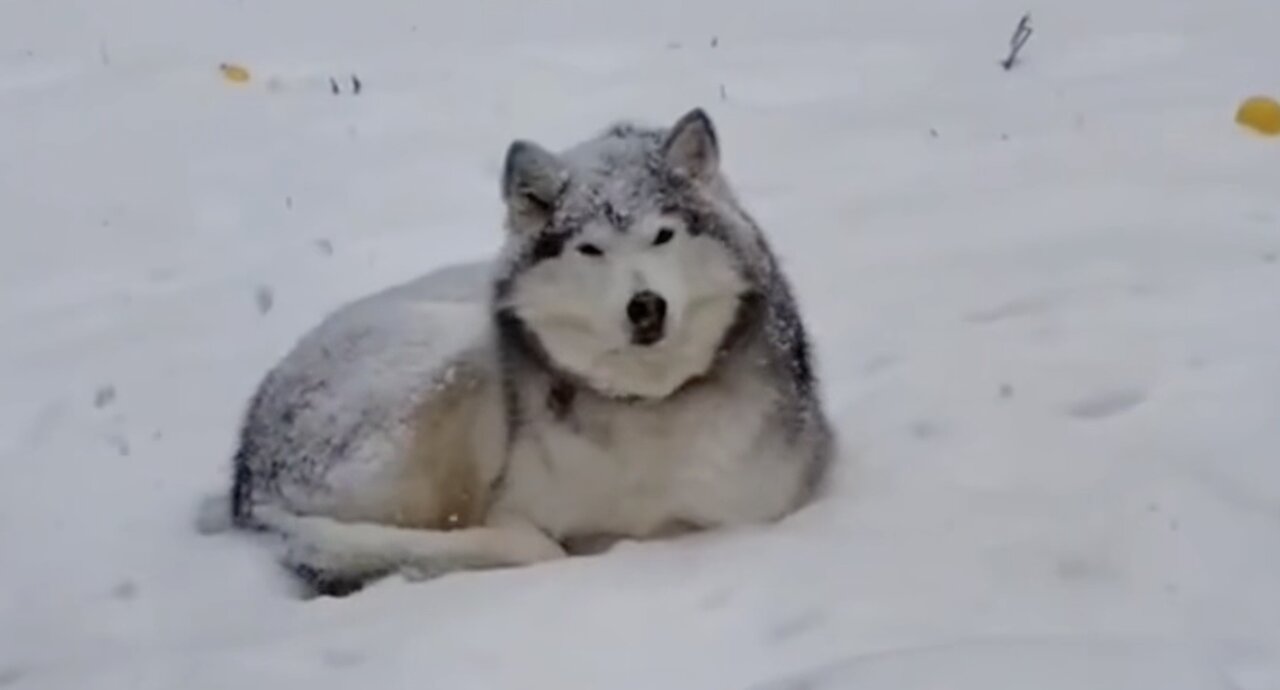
(645, 336)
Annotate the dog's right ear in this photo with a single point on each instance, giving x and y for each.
(533, 180)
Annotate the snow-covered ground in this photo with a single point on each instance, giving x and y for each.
(1046, 301)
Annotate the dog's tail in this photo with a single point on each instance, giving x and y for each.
(336, 558)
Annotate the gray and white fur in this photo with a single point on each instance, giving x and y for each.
(632, 366)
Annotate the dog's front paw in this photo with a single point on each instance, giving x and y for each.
(530, 546)
(520, 543)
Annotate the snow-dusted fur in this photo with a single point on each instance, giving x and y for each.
(637, 368)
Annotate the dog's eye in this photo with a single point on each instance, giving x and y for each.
(547, 247)
(589, 250)
(664, 236)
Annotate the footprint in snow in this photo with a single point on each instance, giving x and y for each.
(1083, 568)
(265, 298)
(341, 658)
(795, 625)
(879, 363)
(125, 590)
(925, 429)
(11, 675)
(104, 396)
(716, 599)
(1026, 306)
(1106, 404)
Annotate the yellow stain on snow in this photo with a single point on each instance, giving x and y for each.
(1261, 114)
(234, 73)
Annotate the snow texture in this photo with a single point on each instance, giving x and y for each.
(1045, 301)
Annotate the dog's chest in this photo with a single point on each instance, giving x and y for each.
(585, 465)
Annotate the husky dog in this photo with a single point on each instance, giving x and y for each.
(632, 366)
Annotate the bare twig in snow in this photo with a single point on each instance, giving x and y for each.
(1020, 36)
(10, 675)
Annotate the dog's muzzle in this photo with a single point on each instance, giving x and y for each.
(647, 312)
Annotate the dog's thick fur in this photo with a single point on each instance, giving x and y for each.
(638, 367)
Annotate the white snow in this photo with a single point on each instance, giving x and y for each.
(1049, 331)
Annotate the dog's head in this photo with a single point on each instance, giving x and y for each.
(628, 263)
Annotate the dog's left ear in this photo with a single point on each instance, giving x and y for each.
(691, 148)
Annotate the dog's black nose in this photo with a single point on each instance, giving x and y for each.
(647, 312)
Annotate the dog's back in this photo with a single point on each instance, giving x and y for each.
(343, 398)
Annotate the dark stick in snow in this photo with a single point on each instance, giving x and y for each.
(1019, 39)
